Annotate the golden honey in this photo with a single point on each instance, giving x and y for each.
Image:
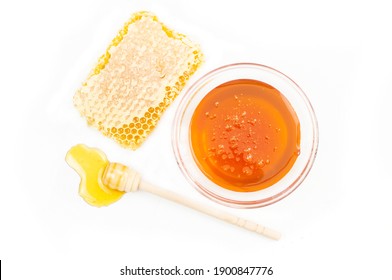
(245, 136)
(90, 164)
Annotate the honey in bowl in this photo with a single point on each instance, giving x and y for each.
(245, 135)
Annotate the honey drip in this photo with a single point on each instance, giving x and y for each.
(104, 182)
(245, 135)
(90, 164)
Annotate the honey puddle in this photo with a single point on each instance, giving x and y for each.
(245, 135)
(90, 164)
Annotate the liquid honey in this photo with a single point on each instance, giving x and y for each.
(245, 135)
(90, 164)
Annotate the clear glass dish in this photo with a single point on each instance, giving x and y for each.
(308, 129)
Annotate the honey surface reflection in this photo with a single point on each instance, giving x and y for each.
(245, 136)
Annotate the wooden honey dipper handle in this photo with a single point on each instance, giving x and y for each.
(120, 177)
(209, 210)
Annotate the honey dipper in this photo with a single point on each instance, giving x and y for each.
(107, 181)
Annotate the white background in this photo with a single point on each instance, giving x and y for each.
(337, 224)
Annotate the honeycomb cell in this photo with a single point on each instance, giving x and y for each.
(136, 79)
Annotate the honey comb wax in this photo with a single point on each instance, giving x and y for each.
(136, 79)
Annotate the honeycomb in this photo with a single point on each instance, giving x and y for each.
(142, 71)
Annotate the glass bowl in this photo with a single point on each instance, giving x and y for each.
(308, 130)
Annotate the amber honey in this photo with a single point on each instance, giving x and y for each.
(245, 136)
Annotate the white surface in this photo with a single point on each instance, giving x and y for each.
(336, 225)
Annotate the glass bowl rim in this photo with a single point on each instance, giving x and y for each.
(176, 129)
